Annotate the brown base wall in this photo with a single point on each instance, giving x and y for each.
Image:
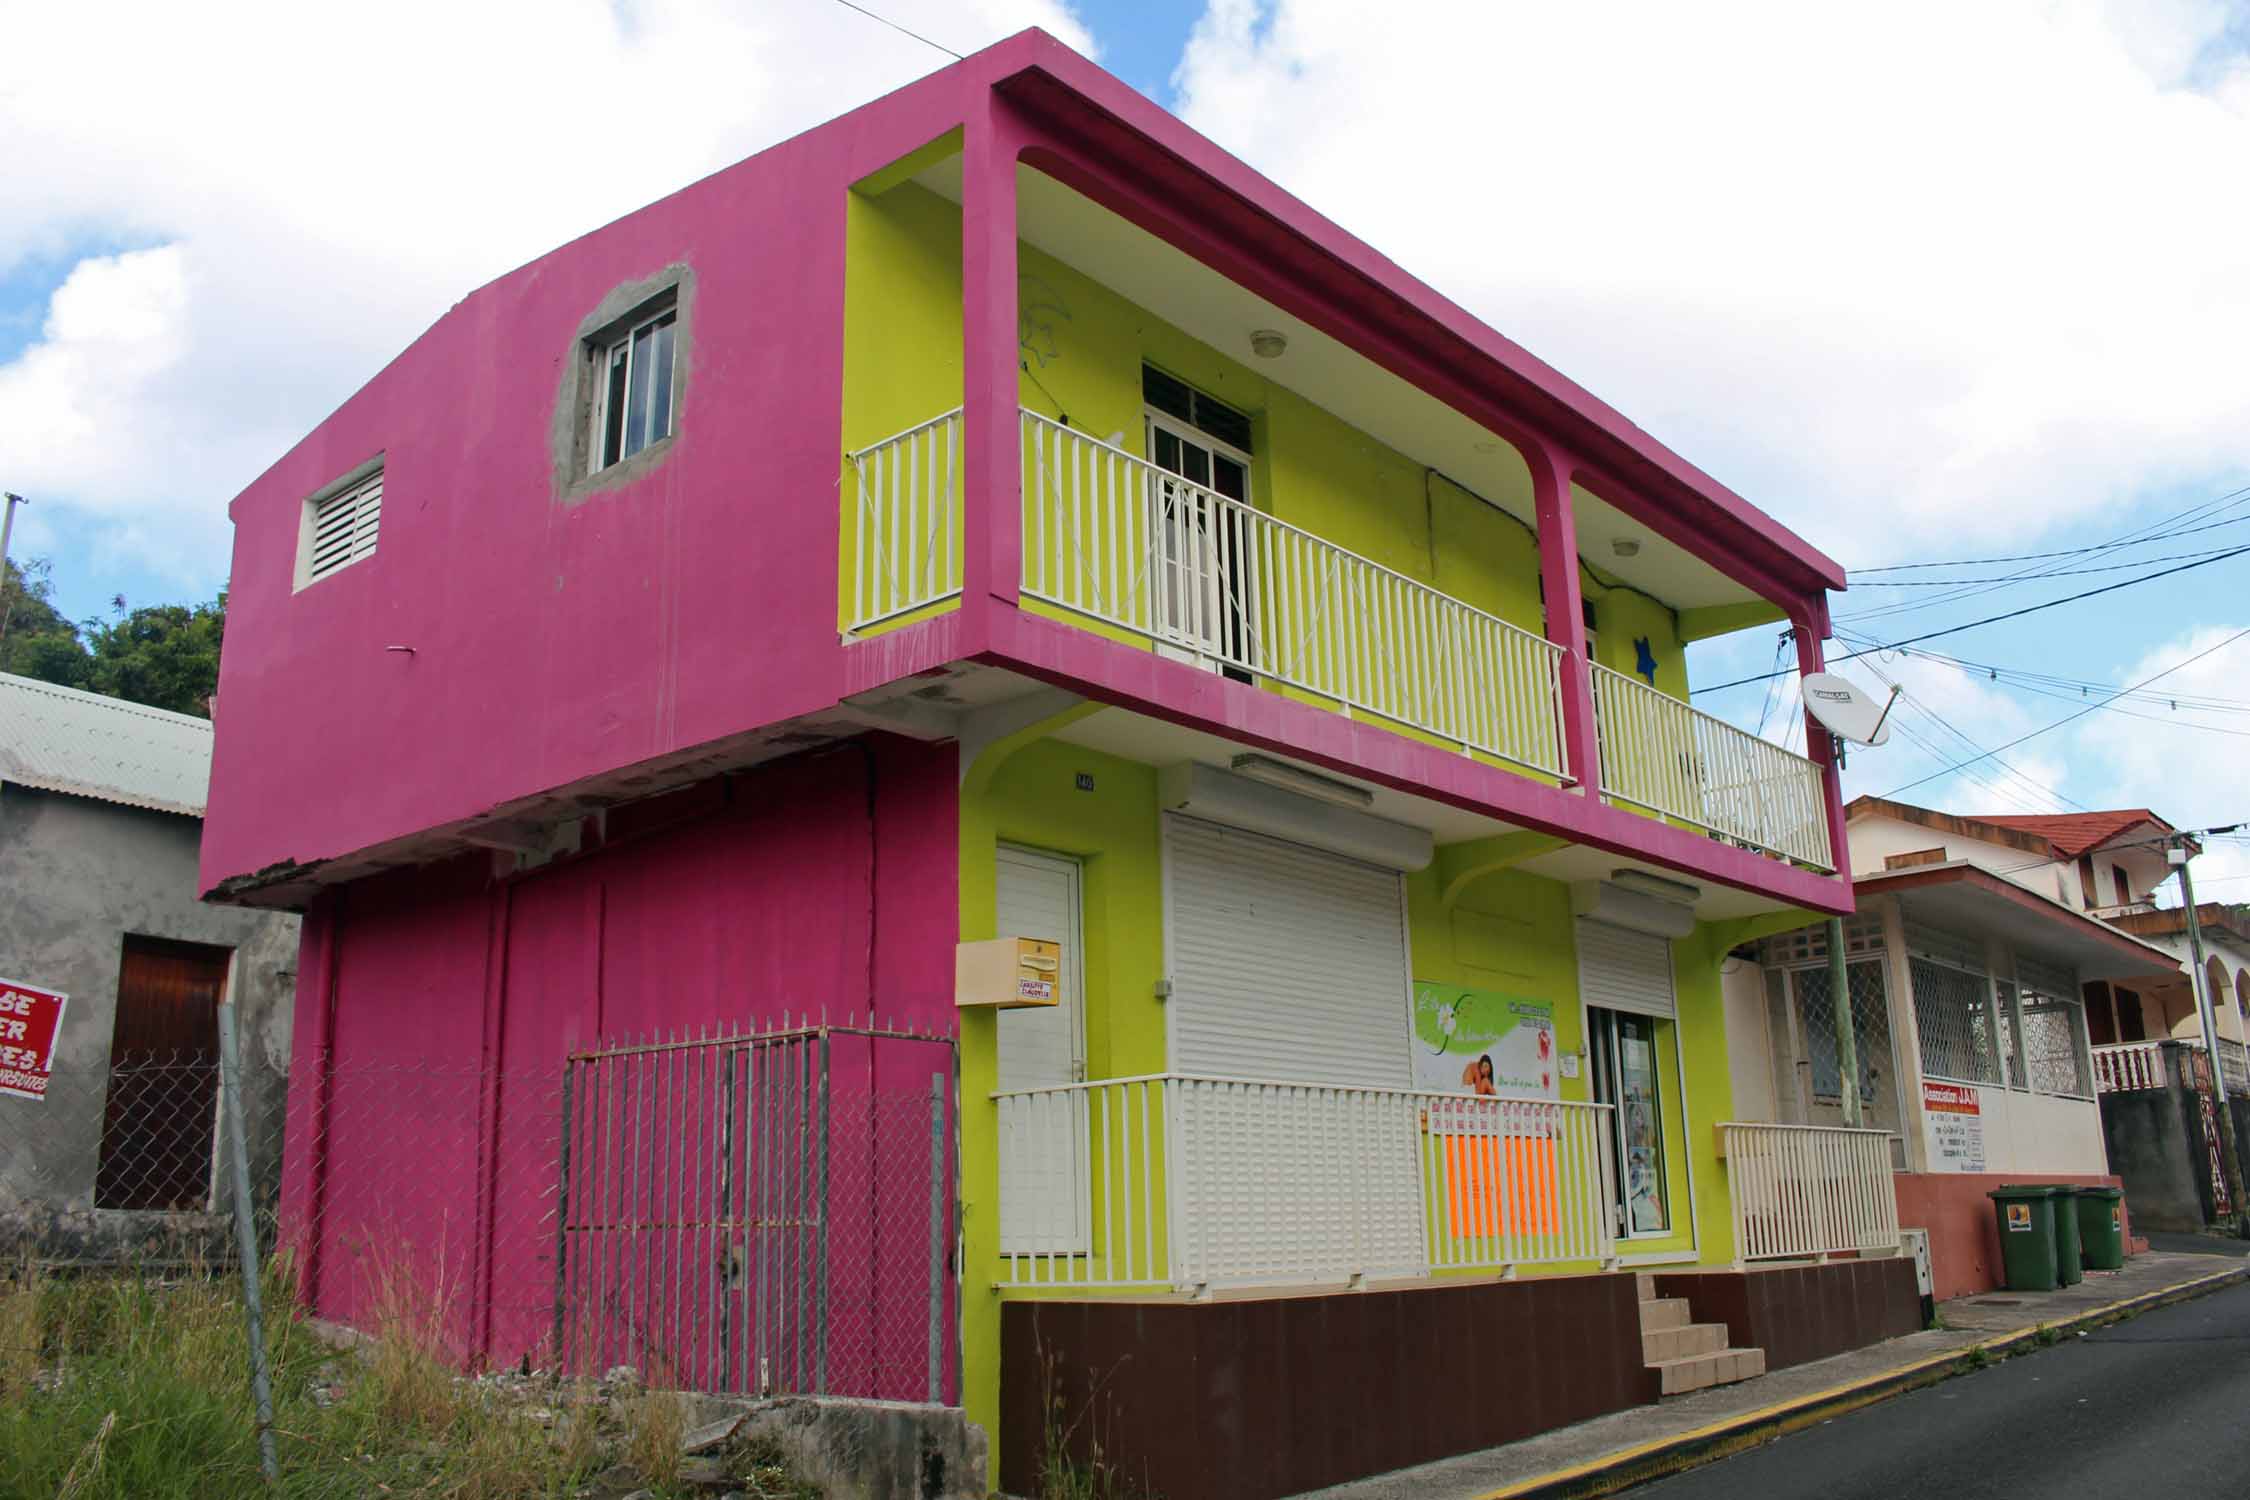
(1964, 1233)
(1802, 1313)
(1246, 1400)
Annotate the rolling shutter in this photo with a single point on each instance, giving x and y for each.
(1621, 970)
(1287, 963)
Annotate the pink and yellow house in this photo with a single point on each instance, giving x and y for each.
(1000, 513)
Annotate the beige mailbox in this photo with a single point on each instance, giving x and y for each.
(1007, 973)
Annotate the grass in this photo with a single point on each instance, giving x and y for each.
(1071, 1468)
(124, 1387)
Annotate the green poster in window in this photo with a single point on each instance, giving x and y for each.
(1483, 1042)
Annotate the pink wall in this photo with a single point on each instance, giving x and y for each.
(1964, 1234)
(552, 642)
(452, 999)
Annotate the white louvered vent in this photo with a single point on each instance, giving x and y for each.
(341, 529)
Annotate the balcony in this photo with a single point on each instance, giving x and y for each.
(1118, 546)
(1185, 1183)
(2129, 1067)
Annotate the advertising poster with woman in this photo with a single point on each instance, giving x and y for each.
(1483, 1043)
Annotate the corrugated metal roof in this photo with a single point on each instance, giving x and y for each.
(62, 740)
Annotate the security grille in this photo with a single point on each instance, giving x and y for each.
(2054, 1041)
(1871, 1028)
(1953, 1021)
(1863, 937)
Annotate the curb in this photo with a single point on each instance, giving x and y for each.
(1698, 1446)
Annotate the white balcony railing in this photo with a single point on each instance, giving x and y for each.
(1808, 1190)
(907, 533)
(1189, 1183)
(1109, 535)
(1660, 754)
(2129, 1066)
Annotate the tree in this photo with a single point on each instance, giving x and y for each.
(35, 640)
(164, 655)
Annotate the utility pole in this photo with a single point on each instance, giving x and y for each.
(7, 524)
(2177, 851)
(1847, 1044)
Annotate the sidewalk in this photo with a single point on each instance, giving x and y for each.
(1630, 1447)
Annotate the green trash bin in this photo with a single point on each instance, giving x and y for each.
(2070, 1256)
(2101, 1227)
(2026, 1212)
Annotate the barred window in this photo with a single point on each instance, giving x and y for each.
(2053, 1030)
(1871, 1028)
(1953, 1020)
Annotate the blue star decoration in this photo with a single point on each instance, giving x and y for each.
(1645, 659)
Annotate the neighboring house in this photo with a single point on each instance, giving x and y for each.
(2159, 1100)
(1000, 513)
(1975, 942)
(101, 806)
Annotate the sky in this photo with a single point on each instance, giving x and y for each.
(1925, 281)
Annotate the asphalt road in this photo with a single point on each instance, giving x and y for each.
(2155, 1407)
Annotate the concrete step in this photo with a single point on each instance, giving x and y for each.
(1645, 1281)
(1699, 1372)
(1659, 1313)
(1682, 1343)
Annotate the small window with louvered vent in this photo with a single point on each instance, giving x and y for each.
(340, 524)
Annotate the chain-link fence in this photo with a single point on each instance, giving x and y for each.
(761, 1213)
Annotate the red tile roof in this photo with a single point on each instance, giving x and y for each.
(2072, 834)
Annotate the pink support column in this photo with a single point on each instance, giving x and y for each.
(1566, 624)
(1811, 625)
(991, 466)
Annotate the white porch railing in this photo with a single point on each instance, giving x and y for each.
(907, 541)
(1661, 754)
(1807, 1190)
(2129, 1066)
(1189, 1183)
(1115, 537)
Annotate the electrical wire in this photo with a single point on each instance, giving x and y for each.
(901, 30)
(2139, 536)
(1987, 562)
(2013, 614)
(1946, 583)
(2068, 718)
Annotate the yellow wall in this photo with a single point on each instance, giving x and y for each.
(1082, 348)
(1508, 931)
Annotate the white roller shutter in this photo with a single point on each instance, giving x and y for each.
(1289, 964)
(1621, 970)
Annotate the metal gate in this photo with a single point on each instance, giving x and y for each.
(761, 1214)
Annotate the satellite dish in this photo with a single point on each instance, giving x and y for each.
(1848, 713)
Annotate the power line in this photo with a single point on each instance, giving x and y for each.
(2108, 546)
(2048, 681)
(1994, 788)
(2029, 609)
(901, 30)
(2139, 536)
(1946, 583)
(2067, 718)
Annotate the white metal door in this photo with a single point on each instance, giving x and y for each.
(1289, 965)
(1042, 1202)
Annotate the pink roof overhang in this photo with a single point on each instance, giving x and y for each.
(1107, 141)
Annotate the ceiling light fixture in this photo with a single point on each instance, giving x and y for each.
(1297, 779)
(1625, 546)
(1268, 343)
(1657, 886)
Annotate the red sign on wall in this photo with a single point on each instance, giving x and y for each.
(30, 1020)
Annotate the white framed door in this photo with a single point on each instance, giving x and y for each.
(1043, 1207)
(1626, 995)
(1202, 563)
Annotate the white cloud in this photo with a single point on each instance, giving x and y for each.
(1905, 274)
(306, 187)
